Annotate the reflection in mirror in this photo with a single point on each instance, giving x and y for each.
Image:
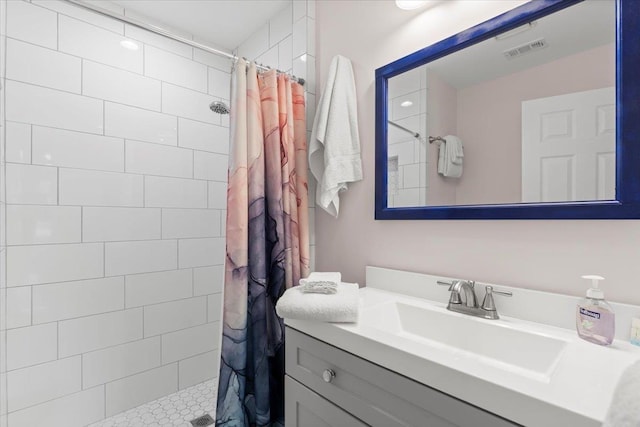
(527, 116)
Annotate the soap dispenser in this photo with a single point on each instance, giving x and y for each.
(595, 320)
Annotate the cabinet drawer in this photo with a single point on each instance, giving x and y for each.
(375, 395)
(304, 408)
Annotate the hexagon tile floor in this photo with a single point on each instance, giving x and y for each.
(176, 409)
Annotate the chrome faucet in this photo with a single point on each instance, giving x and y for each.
(469, 304)
(467, 289)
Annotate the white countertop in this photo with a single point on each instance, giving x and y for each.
(576, 393)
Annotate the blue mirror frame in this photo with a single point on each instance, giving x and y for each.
(627, 203)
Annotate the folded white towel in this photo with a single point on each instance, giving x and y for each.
(321, 282)
(625, 406)
(334, 147)
(341, 307)
(450, 157)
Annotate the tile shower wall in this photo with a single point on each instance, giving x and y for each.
(287, 43)
(115, 206)
(407, 155)
(3, 252)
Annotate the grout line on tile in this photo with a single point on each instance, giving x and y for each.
(82, 224)
(57, 340)
(57, 31)
(82, 79)
(104, 118)
(58, 186)
(82, 371)
(30, 144)
(50, 400)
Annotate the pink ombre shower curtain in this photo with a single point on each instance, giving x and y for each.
(267, 242)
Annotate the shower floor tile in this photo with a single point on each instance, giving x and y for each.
(176, 409)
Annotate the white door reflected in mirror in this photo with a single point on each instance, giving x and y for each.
(568, 147)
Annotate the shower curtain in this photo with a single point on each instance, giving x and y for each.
(267, 242)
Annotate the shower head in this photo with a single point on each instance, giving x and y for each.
(219, 107)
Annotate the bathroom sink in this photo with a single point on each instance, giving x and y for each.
(491, 341)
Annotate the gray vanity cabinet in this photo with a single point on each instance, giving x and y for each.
(305, 408)
(326, 386)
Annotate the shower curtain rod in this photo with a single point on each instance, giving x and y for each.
(158, 30)
(415, 134)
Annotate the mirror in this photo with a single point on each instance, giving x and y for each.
(514, 118)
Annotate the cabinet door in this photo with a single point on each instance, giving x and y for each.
(304, 408)
(375, 395)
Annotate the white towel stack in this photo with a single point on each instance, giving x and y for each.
(450, 157)
(321, 283)
(341, 307)
(625, 406)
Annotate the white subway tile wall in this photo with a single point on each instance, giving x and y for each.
(40, 383)
(140, 388)
(124, 87)
(86, 407)
(20, 151)
(18, 307)
(31, 345)
(108, 216)
(58, 147)
(408, 181)
(115, 205)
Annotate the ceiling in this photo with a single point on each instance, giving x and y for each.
(575, 29)
(225, 23)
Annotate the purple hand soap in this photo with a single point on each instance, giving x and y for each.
(595, 320)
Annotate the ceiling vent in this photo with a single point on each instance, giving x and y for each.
(524, 49)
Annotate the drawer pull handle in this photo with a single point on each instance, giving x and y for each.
(328, 375)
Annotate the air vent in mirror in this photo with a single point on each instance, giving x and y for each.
(523, 49)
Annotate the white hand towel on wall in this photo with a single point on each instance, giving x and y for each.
(334, 149)
(625, 406)
(450, 157)
(341, 307)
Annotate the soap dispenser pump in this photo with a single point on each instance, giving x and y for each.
(595, 319)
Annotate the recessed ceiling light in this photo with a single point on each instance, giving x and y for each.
(410, 4)
(128, 44)
(406, 104)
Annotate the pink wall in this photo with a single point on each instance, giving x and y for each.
(544, 255)
(494, 133)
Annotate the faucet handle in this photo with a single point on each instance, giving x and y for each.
(505, 293)
(454, 298)
(449, 284)
(488, 303)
